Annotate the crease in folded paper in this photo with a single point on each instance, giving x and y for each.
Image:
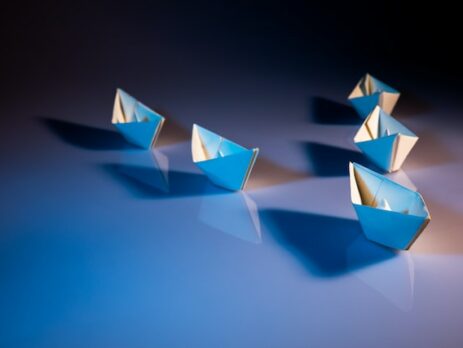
(370, 92)
(137, 123)
(226, 163)
(377, 191)
(389, 213)
(384, 140)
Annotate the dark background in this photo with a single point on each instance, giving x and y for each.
(53, 44)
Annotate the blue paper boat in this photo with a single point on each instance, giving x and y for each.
(226, 163)
(138, 124)
(390, 214)
(369, 93)
(384, 140)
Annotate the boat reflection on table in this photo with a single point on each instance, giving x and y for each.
(150, 168)
(234, 213)
(393, 278)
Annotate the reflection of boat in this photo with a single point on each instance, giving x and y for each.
(234, 213)
(370, 92)
(150, 168)
(226, 163)
(394, 277)
(137, 123)
(389, 213)
(384, 140)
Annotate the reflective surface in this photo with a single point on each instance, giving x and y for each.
(106, 245)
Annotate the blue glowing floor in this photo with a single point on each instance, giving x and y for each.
(104, 245)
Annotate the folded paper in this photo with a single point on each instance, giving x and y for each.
(384, 140)
(226, 163)
(138, 124)
(390, 214)
(369, 93)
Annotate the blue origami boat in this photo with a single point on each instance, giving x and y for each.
(137, 123)
(370, 92)
(225, 163)
(390, 214)
(384, 140)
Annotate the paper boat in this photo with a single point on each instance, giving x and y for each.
(138, 124)
(369, 93)
(226, 163)
(390, 214)
(384, 140)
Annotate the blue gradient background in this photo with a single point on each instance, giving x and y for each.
(97, 249)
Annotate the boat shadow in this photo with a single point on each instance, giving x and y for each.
(326, 111)
(321, 243)
(93, 138)
(84, 136)
(327, 160)
(149, 182)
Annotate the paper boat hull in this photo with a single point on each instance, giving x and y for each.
(365, 105)
(389, 213)
(371, 92)
(230, 172)
(394, 230)
(225, 163)
(143, 134)
(388, 153)
(384, 140)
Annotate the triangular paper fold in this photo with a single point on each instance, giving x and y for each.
(226, 163)
(371, 92)
(138, 124)
(389, 213)
(384, 140)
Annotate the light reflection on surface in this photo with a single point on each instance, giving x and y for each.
(394, 278)
(233, 213)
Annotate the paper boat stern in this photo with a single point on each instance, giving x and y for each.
(390, 214)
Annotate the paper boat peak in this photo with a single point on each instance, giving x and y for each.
(370, 92)
(384, 140)
(137, 123)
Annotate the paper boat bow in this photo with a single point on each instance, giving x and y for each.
(369, 93)
(136, 122)
(226, 163)
(389, 213)
(384, 140)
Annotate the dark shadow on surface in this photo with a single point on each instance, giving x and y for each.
(146, 182)
(321, 243)
(326, 111)
(327, 160)
(410, 105)
(85, 137)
